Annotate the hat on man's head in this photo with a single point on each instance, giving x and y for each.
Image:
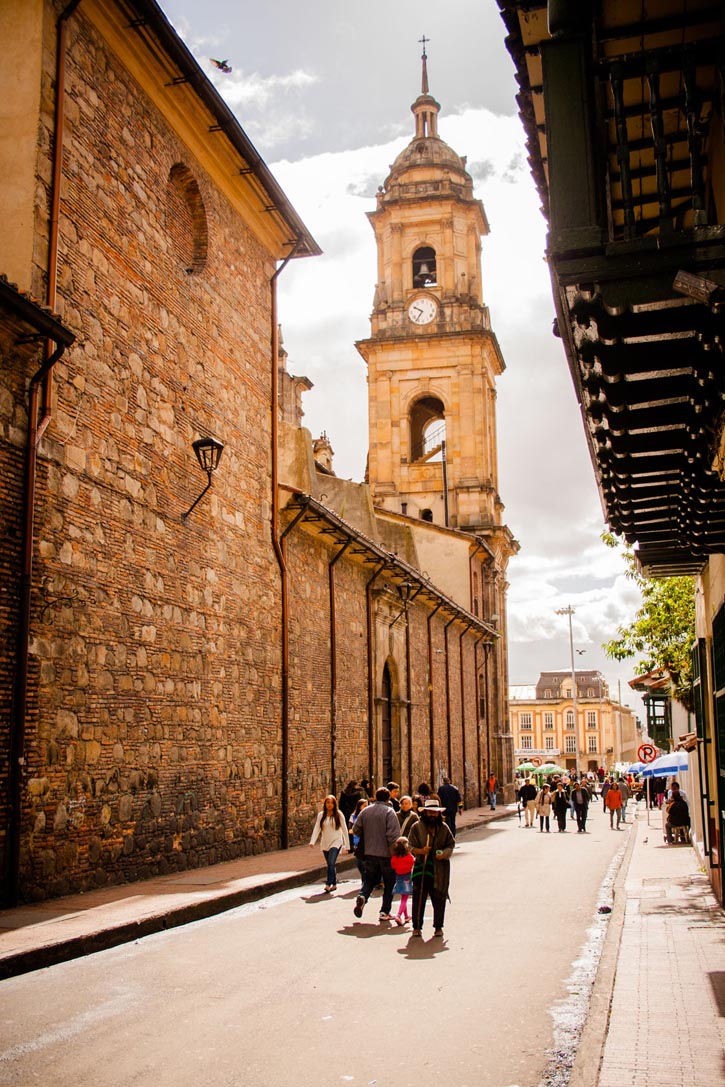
(432, 806)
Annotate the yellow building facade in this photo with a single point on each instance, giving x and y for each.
(544, 727)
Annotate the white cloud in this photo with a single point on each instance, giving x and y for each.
(252, 89)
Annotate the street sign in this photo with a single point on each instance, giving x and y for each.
(536, 761)
(647, 753)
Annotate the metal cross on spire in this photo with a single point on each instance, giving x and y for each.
(423, 41)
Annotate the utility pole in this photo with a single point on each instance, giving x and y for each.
(570, 611)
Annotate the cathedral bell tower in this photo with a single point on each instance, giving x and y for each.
(432, 357)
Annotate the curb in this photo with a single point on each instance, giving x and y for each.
(76, 947)
(588, 1062)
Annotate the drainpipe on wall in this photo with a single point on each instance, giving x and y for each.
(333, 668)
(448, 697)
(409, 689)
(278, 548)
(463, 706)
(430, 693)
(476, 644)
(370, 772)
(474, 601)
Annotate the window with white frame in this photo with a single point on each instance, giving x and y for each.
(548, 720)
(549, 743)
(527, 743)
(526, 720)
(547, 693)
(590, 692)
(592, 745)
(570, 745)
(570, 718)
(591, 718)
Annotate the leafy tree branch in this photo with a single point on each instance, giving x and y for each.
(663, 629)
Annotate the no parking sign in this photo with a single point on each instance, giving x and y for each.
(647, 753)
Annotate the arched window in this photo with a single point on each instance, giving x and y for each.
(424, 267)
(426, 515)
(427, 429)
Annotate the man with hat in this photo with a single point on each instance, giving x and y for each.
(431, 843)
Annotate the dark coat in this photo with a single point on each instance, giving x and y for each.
(559, 803)
(450, 798)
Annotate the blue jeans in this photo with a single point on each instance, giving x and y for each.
(492, 800)
(330, 856)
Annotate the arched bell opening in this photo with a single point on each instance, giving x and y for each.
(427, 429)
(424, 267)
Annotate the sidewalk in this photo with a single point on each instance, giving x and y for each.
(657, 1013)
(49, 932)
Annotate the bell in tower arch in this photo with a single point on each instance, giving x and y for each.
(424, 267)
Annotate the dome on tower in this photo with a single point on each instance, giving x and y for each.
(427, 156)
(426, 151)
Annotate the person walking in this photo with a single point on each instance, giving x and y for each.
(407, 815)
(606, 786)
(349, 798)
(542, 805)
(378, 826)
(452, 802)
(357, 847)
(580, 799)
(394, 790)
(331, 829)
(431, 843)
(625, 791)
(560, 806)
(402, 862)
(492, 786)
(528, 796)
(614, 804)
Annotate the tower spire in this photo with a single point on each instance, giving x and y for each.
(425, 106)
(424, 58)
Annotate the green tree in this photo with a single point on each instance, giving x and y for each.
(663, 629)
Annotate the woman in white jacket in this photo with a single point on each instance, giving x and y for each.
(330, 828)
(543, 808)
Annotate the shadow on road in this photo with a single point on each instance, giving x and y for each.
(423, 949)
(366, 931)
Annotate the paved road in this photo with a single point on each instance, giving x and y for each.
(294, 990)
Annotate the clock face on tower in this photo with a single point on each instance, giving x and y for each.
(423, 310)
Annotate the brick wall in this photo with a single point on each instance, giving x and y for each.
(154, 738)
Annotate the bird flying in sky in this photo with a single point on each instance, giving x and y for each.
(222, 65)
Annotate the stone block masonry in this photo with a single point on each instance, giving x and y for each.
(154, 739)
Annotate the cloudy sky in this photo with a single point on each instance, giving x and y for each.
(323, 89)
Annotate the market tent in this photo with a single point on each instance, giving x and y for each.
(550, 768)
(636, 767)
(674, 763)
(526, 767)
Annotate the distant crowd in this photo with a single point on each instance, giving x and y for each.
(571, 796)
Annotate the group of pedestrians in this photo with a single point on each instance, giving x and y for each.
(574, 796)
(558, 798)
(401, 843)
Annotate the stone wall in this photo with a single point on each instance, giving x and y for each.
(154, 741)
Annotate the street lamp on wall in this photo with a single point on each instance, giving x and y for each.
(208, 452)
